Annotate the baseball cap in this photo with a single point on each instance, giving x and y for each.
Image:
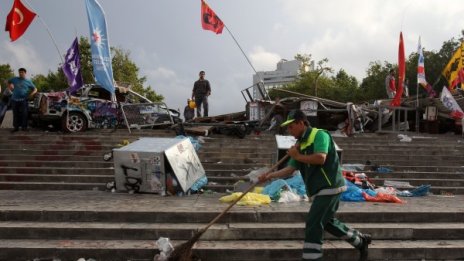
(293, 115)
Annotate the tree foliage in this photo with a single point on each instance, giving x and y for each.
(5, 73)
(124, 71)
(320, 81)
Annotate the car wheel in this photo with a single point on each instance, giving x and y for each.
(74, 122)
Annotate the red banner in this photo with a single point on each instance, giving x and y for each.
(209, 19)
(401, 73)
(18, 20)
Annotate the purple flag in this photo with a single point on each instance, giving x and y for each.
(72, 68)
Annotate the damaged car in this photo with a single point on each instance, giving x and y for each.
(92, 106)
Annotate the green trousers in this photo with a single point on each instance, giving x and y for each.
(320, 218)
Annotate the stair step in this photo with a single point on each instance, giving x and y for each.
(231, 231)
(230, 250)
(84, 170)
(5, 185)
(43, 163)
(56, 178)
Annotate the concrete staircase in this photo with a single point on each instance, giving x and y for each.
(53, 202)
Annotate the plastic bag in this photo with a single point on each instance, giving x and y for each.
(353, 193)
(250, 199)
(420, 191)
(165, 247)
(274, 188)
(387, 190)
(404, 138)
(382, 197)
(201, 182)
(297, 184)
(288, 196)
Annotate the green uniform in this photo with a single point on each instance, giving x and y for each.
(324, 185)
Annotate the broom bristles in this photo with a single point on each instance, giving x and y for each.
(183, 252)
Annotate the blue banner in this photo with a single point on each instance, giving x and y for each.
(101, 56)
(72, 67)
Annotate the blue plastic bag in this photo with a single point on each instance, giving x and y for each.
(353, 193)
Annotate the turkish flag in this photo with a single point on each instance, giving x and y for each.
(209, 19)
(18, 20)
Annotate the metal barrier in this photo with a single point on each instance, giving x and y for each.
(396, 118)
(141, 115)
(261, 91)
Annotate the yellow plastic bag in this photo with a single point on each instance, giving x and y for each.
(250, 199)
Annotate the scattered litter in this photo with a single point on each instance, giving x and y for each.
(108, 156)
(387, 190)
(381, 197)
(397, 184)
(201, 182)
(250, 199)
(254, 174)
(353, 167)
(420, 191)
(446, 194)
(383, 170)
(165, 247)
(404, 138)
(289, 196)
(123, 143)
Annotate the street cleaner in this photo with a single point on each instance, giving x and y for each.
(316, 157)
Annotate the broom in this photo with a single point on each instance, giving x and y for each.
(183, 252)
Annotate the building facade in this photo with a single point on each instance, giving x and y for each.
(285, 73)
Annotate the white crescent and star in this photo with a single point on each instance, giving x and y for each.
(21, 16)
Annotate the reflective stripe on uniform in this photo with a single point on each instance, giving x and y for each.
(332, 191)
(312, 256)
(348, 235)
(356, 242)
(310, 140)
(312, 246)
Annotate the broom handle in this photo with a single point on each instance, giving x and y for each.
(241, 196)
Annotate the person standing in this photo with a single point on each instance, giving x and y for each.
(315, 156)
(22, 89)
(189, 112)
(4, 103)
(201, 91)
(390, 84)
(406, 88)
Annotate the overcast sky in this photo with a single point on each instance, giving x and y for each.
(166, 40)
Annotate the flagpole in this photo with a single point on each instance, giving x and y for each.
(417, 107)
(246, 57)
(48, 30)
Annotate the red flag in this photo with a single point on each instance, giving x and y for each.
(18, 20)
(401, 73)
(209, 19)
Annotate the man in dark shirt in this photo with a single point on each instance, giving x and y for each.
(201, 91)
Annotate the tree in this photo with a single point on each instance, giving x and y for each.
(305, 60)
(346, 87)
(124, 71)
(321, 68)
(5, 73)
(373, 85)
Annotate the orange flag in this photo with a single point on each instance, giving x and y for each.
(401, 73)
(18, 20)
(209, 19)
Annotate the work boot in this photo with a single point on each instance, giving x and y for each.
(363, 249)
